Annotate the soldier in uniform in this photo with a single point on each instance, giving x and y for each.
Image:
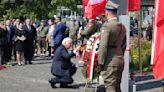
(73, 33)
(111, 50)
(42, 33)
(90, 29)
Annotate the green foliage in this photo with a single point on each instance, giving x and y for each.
(33, 8)
(145, 55)
(71, 4)
(52, 13)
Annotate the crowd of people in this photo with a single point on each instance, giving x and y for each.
(22, 40)
(15, 37)
(146, 28)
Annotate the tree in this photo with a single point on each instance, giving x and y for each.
(34, 8)
(70, 4)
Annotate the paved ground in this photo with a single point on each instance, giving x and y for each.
(153, 90)
(34, 78)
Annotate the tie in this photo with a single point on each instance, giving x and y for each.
(9, 32)
(29, 28)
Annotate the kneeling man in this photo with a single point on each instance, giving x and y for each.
(62, 68)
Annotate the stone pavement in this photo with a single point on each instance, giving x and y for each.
(34, 78)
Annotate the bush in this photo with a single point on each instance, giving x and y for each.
(145, 55)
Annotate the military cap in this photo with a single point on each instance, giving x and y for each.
(111, 6)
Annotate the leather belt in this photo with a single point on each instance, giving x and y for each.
(112, 46)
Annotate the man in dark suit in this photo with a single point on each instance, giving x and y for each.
(62, 67)
(59, 33)
(10, 39)
(3, 43)
(29, 42)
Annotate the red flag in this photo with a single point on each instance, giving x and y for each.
(134, 5)
(93, 8)
(157, 59)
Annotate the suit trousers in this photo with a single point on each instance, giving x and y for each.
(3, 54)
(9, 51)
(67, 77)
(62, 80)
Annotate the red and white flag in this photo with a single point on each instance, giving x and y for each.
(134, 5)
(157, 58)
(93, 8)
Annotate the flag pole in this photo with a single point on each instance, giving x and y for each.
(139, 40)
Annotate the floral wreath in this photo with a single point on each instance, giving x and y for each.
(90, 57)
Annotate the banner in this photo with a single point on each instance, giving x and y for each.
(93, 8)
(134, 5)
(157, 58)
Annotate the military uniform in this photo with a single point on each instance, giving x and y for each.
(90, 29)
(111, 52)
(73, 32)
(42, 33)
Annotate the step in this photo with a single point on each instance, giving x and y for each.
(145, 85)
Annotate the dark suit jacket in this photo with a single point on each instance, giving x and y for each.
(3, 37)
(11, 33)
(59, 33)
(61, 62)
(30, 34)
(29, 42)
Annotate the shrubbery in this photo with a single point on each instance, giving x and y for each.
(145, 55)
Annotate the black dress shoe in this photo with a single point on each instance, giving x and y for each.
(52, 84)
(101, 88)
(65, 86)
(30, 62)
(25, 63)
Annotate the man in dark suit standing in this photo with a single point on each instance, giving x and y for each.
(3, 43)
(62, 67)
(30, 41)
(59, 33)
(10, 39)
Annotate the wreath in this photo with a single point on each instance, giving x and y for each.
(90, 57)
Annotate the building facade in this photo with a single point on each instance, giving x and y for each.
(147, 10)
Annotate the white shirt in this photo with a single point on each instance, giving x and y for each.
(51, 30)
(29, 27)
